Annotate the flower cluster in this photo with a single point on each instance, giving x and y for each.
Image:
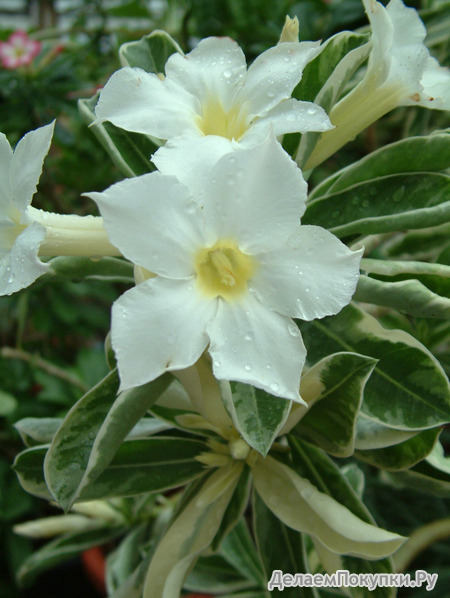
(18, 50)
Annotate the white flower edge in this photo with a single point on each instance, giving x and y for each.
(20, 236)
(251, 204)
(210, 92)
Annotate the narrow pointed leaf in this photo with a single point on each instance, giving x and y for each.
(280, 548)
(109, 269)
(239, 550)
(215, 574)
(29, 467)
(37, 430)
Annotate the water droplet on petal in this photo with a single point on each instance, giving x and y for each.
(293, 329)
(274, 387)
(311, 111)
(227, 73)
(249, 336)
(248, 367)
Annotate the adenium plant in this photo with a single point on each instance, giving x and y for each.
(248, 355)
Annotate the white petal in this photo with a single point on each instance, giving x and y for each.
(273, 75)
(291, 116)
(158, 326)
(6, 193)
(216, 68)
(26, 165)
(191, 159)
(20, 266)
(254, 196)
(436, 86)
(314, 276)
(153, 221)
(252, 344)
(141, 102)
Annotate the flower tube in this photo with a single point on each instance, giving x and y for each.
(400, 72)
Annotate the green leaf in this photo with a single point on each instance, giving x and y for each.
(122, 562)
(214, 574)
(92, 432)
(29, 467)
(8, 404)
(407, 389)
(409, 296)
(240, 551)
(191, 532)
(257, 415)
(331, 421)
(235, 510)
(373, 435)
(415, 154)
(62, 549)
(280, 548)
(403, 455)
(38, 430)
(383, 204)
(149, 53)
(109, 269)
(130, 152)
(147, 465)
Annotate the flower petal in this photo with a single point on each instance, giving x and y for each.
(315, 276)
(21, 266)
(252, 344)
(274, 74)
(436, 86)
(290, 116)
(215, 68)
(26, 164)
(158, 326)
(141, 102)
(191, 159)
(153, 221)
(6, 192)
(254, 196)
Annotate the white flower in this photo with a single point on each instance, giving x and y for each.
(20, 235)
(232, 268)
(400, 72)
(210, 92)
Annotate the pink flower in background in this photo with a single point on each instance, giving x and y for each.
(19, 50)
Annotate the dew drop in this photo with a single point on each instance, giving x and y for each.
(271, 93)
(274, 387)
(311, 111)
(247, 367)
(249, 336)
(11, 277)
(227, 73)
(287, 58)
(268, 366)
(293, 329)
(365, 203)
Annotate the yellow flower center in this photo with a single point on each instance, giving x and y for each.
(223, 270)
(215, 121)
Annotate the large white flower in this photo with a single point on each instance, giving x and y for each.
(210, 93)
(400, 72)
(232, 269)
(20, 235)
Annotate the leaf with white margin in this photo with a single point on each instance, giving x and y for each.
(438, 459)
(191, 532)
(371, 434)
(408, 388)
(428, 153)
(403, 455)
(150, 53)
(330, 422)
(37, 430)
(257, 415)
(109, 269)
(301, 506)
(239, 549)
(409, 296)
(29, 467)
